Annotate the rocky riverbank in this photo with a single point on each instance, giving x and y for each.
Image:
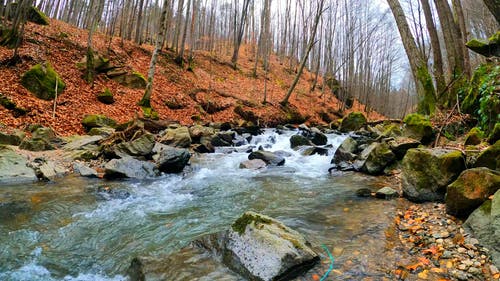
(464, 179)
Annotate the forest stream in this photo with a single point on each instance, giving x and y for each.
(68, 230)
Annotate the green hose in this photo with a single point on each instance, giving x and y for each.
(331, 263)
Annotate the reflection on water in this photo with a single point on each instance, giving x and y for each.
(63, 231)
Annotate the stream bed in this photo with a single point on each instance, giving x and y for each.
(67, 230)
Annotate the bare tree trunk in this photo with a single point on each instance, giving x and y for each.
(239, 32)
(180, 58)
(317, 18)
(421, 75)
(146, 99)
(460, 19)
(138, 28)
(436, 47)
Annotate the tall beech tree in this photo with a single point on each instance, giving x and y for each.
(146, 98)
(422, 77)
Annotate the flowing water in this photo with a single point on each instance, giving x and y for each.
(63, 231)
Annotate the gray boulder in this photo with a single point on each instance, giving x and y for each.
(80, 142)
(386, 193)
(484, 224)
(299, 140)
(46, 170)
(129, 167)
(172, 160)
(101, 131)
(427, 172)
(470, 190)
(84, 170)
(14, 168)
(178, 137)
(255, 164)
(490, 157)
(268, 157)
(261, 248)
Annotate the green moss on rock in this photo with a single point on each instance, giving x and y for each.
(134, 80)
(41, 81)
(353, 122)
(487, 48)
(490, 158)
(418, 127)
(240, 225)
(495, 134)
(37, 16)
(474, 137)
(96, 120)
(106, 97)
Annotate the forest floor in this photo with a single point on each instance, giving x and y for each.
(216, 82)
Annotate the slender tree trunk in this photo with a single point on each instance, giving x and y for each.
(460, 19)
(421, 75)
(146, 99)
(239, 33)
(180, 57)
(138, 28)
(436, 47)
(319, 12)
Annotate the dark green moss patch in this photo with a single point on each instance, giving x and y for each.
(41, 81)
(240, 225)
(106, 97)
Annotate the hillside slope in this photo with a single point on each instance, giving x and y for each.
(209, 93)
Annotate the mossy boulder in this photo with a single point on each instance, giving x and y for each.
(34, 14)
(133, 80)
(490, 157)
(106, 97)
(353, 122)
(388, 130)
(470, 190)
(495, 134)
(41, 81)
(487, 48)
(35, 145)
(427, 172)
(178, 137)
(261, 248)
(400, 145)
(12, 106)
(418, 127)
(484, 224)
(141, 146)
(96, 121)
(12, 139)
(101, 131)
(101, 64)
(375, 158)
(299, 140)
(474, 137)
(44, 133)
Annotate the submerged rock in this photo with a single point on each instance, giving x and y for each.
(129, 167)
(470, 190)
(386, 193)
(427, 172)
(255, 164)
(268, 157)
(364, 192)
